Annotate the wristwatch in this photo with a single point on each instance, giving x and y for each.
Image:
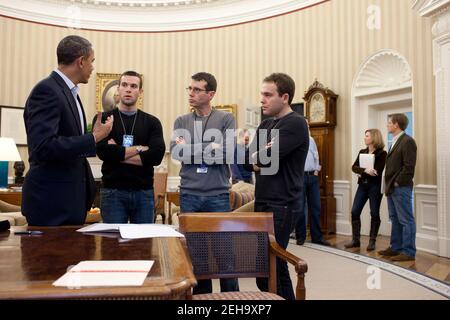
(139, 149)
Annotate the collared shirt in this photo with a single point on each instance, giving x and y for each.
(395, 139)
(312, 159)
(75, 90)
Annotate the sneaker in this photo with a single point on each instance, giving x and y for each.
(389, 252)
(300, 242)
(292, 236)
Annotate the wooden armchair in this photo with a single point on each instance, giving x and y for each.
(234, 245)
(159, 190)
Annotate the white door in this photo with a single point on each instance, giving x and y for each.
(378, 117)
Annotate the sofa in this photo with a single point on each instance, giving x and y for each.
(12, 213)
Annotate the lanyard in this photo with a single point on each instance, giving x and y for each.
(206, 123)
(123, 125)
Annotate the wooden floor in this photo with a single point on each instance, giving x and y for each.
(426, 263)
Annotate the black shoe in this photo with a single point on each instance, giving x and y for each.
(323, 243)
(300, 242)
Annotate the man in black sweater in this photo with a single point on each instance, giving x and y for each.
(133, 147)
(278, 154)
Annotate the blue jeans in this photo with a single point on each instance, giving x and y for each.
(119, 206)
(219, 203)
(284, 219)
(311, 198)
(371, 192)
(403, 233)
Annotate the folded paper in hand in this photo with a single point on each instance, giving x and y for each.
(106, 273)
(134, 231)
(366, 161)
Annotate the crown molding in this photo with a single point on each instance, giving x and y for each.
(150, 15)
(431, 8)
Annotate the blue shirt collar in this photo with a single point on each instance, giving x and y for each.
(73, 88)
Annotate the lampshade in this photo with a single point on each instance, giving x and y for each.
(8, 150)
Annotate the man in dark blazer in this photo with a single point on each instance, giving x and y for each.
(399, 174)
(59, 187)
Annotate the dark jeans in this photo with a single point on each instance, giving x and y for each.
(117, 206)
(219, 203)
(284, 218)
(403, 233)
(371, 192)
(311, 196)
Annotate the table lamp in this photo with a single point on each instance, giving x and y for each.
(8, 152)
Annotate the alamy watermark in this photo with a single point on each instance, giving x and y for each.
(374, 280)
(212, 147)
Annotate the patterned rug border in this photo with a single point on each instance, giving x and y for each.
(434, 285)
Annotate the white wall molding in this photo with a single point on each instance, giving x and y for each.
(430, 8)
(439, 11)
(150, 15)
(386, 70)
(426, 215)
(342, 191)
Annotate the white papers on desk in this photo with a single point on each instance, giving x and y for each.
(101, 227)
(138, 231)
(134, 231)
(366, 161)
(106, 273)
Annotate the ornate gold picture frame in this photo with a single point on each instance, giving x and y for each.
(105, 87)
(232, 108)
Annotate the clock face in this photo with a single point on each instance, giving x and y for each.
(317, 108)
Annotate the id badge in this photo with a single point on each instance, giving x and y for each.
(202, 169)
(127, 140)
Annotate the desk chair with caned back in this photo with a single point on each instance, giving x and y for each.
(237, 245)
(159, 190)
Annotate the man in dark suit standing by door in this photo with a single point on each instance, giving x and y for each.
(59, 187)
(399, 174)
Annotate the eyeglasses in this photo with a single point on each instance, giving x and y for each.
(195, 90)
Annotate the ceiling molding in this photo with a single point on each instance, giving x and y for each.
(148, 15)
(430, 8)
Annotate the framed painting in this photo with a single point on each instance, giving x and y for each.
(12, 124)
(106, 94)
(232, 108)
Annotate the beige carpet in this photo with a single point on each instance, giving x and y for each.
(332, 277)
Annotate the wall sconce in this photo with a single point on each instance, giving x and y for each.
(8, 152)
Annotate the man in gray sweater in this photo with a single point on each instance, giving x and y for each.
(203, 141)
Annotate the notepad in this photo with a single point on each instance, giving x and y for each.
(106, 273)
(366, 161)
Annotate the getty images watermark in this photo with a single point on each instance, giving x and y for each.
(215, 148)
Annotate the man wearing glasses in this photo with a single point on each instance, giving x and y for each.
(201, 142)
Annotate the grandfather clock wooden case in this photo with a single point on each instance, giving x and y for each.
(321, 111)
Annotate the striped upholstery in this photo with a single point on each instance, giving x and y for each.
(239, 198)
(247, 295)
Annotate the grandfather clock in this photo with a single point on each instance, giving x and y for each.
(321, 112)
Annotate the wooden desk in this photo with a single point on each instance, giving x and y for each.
(12, 197)
(172, 197)
(30, 264)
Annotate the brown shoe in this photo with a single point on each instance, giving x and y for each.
(402, 257)
(389, 252)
